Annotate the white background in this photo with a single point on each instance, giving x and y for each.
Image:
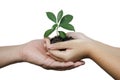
(25, 20)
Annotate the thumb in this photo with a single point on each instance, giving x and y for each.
(47, 42)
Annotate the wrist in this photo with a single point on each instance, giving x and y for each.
(86, 48)
(92, 48)
(18, 51)
(97, 49)
(21, 52)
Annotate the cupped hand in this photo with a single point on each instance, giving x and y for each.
(76, 49)
(35, 52)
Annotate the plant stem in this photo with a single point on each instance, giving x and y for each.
(57, 29)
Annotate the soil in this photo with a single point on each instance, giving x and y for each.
(59, 39)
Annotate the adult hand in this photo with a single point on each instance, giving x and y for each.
(82, 47)
(76, 49)
(36, 53)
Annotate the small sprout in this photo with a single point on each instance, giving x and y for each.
(59, 21)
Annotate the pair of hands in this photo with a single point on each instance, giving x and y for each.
(42, 53)
(46, 55)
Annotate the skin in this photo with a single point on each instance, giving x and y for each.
(33, 52)
(107, 57)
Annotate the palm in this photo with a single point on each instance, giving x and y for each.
(35, 52)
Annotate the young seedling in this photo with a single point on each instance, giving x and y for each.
(59, 21)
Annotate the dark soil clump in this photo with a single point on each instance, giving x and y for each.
(59, 39)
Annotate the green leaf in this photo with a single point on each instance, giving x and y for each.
(48, 32)
(51, 16)
(62, 34)
(54, 26)
(59, 16)
(66, 19)
(68, 26)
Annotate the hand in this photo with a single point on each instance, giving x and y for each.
(106, 56)
(76, 49)
(35, 52)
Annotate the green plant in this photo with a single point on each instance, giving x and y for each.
(59, 21)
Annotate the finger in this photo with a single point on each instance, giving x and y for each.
(79, 63)
(59, 54)
(47, 40)
(76, 64)
(61, 45)
(61, 65)
(54, 57)
(72, 34)
(75, 35)
(67, 66)
(69, 34)
(70, 65)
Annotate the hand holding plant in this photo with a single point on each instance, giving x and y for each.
(76, 49)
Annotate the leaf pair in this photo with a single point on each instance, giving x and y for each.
(52, 17)
(65, 22)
